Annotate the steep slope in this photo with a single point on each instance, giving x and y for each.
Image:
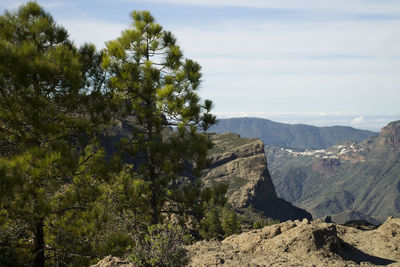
(290, 135)
(241, 163)
(349, 181)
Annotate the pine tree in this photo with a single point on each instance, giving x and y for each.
(49, 102)
(151, 80)
(230, 222)
(56, 189)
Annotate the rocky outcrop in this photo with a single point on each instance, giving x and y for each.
(390, 136)
(296, 243)
(110, 261)
(241, 163)
(303, 243)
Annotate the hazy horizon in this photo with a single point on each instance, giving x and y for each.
(364, 122)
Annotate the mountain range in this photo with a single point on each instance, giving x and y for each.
(290, 135)
(348, 181)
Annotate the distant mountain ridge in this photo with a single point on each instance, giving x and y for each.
(347, 181)
(290, 135)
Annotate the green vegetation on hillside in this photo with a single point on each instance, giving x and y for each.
(350, 181)
(227, 142)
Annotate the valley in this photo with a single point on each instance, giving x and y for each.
(347, 181)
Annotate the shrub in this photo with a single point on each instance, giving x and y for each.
(162, 245)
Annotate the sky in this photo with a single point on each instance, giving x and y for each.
(319, 62)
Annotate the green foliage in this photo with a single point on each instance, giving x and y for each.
(227, 142)
(161, 245)
(230, 222)
(150, 78)
(49, 185)
(39, 191)
(10, 231)
(40, 79)
(220, 222)
(258, 220)
(63, 201)
(211, 226)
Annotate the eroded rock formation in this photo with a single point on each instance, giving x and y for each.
(241, 163)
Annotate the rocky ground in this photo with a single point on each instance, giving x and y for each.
(303, 244)
(298, 243)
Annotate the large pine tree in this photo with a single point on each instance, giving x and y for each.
(49, 105)
(59, 202)
(152, 81)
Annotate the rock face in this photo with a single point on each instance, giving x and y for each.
(389, 137)
(303, 244)
(350, 181)
(241, 163)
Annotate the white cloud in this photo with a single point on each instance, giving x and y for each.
(13, 4)
(357, 120)
(336, 60)
(348, 6)
(97, 32)
(10, 4)
(274, 39)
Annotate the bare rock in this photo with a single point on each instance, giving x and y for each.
(297, 243)
(390, 135)
(241, 163)
(303, 244)
(110, 261)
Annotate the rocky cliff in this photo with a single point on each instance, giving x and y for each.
(348, 181)
(389, 137)
(241, 163)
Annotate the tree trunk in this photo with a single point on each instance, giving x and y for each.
(152, 173)
(154, 190)
(38, 249)
(154, 206)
